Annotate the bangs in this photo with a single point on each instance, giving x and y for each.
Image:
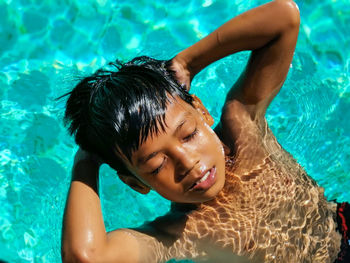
(118, 109)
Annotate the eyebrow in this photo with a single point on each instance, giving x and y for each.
(143, 160)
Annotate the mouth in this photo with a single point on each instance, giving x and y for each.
(203, 183)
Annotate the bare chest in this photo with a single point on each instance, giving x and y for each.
(268, 214)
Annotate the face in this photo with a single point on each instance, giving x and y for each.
(185, 163)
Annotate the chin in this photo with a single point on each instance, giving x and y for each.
(216, 189)
(212, 193)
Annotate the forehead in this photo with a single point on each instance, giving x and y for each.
(176, 108)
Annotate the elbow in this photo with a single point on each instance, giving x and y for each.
(293, 13)
(77, 256)
(290, 12)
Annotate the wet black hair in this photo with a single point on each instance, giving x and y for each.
(115, 110)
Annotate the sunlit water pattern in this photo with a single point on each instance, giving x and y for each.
(46, 45)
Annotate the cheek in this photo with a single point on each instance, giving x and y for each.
(212, 141)
(165, 179)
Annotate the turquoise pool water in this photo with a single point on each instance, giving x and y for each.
(46, 44)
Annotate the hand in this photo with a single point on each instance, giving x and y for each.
(182, 74)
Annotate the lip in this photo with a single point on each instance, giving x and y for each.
(205, 185)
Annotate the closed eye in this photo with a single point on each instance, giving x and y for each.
(157, 170)
(192, 135)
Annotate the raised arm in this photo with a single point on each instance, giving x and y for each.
(270, 31)
(84, 238)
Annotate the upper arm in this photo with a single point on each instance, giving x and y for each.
(267, 66)
(124, 246)
(152, 242)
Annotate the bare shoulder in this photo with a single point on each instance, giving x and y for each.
(155, 241)
(237, 124)
(137, 245)
(181, 234)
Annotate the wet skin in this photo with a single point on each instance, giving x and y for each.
(268, 205)
(173, 161)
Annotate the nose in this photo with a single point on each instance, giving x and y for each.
(185, 159)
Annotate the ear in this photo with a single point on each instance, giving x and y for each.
(198, 105)
(134, 183)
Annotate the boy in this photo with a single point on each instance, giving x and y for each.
(237, 195)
